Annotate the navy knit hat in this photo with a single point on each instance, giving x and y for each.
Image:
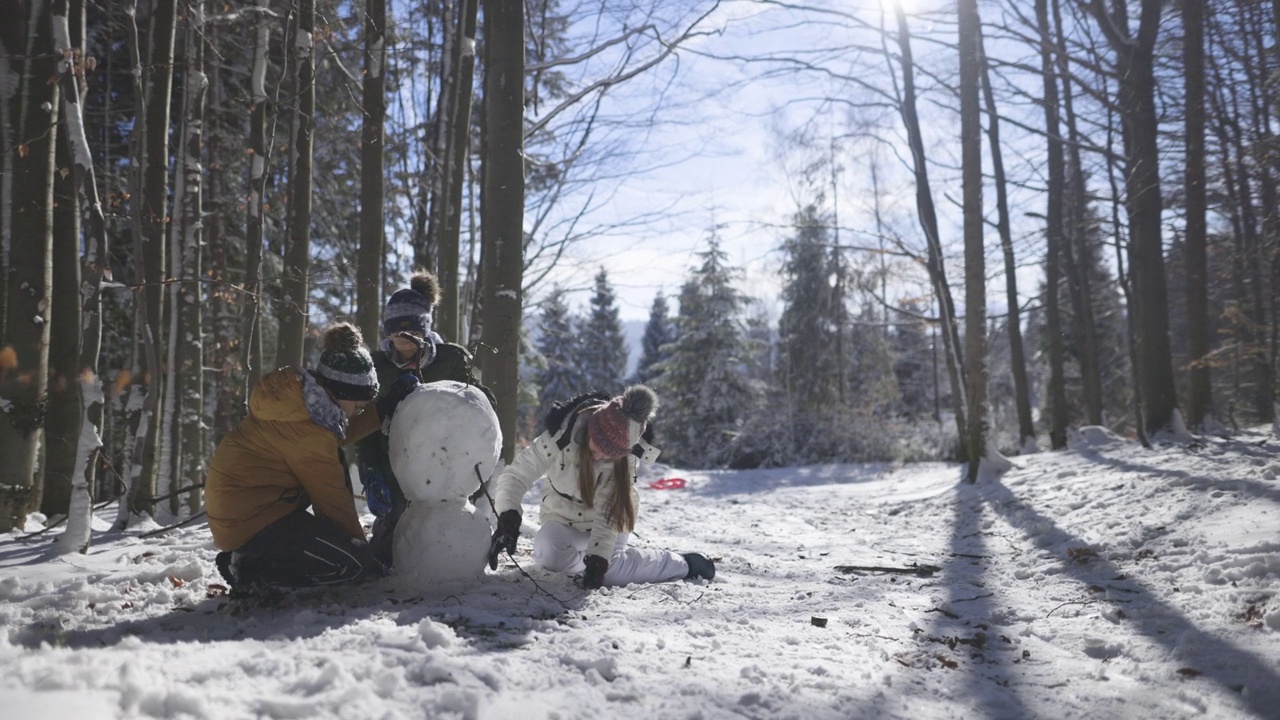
(409, 309)
(346, 368)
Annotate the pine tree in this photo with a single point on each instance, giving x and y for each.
(706, 395)
(561, 378)
(658, 334)
(603, 347)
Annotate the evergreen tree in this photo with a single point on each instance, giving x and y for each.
(705, 391)
(560, 378)
(603, 348)
(659, 333)
(809, 367)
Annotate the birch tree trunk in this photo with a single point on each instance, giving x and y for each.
(71, 73)
(297, 255)
(502, 216)
(251, 329)
(24, 338)
(141, 406)
(65, 409)
(189, 340)
(155, 218)
(372, 149)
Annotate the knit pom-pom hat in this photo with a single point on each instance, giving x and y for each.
(409, 309)
(346, 368)
(618, 425)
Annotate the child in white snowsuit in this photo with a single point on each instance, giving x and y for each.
(588, 454)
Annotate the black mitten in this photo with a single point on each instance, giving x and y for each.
(596, 568)
(388, 403)
(504, 538)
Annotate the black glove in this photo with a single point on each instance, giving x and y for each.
(388, 403)
(594, 576)
(504, 538)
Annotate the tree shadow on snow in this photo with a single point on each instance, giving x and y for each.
(493, 614)
(1177, 477)
(1226, 664)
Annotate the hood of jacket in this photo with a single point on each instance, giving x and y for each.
(293, 395)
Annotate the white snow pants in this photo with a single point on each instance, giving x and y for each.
(560, 548)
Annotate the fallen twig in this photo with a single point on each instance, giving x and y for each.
(913, 569)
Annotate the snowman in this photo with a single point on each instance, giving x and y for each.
(444, 439)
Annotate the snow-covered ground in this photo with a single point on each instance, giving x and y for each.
(1104, 582)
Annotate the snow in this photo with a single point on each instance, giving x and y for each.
(1103, 581)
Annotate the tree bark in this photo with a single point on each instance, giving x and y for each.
(189, 442)
(1135, 68)
(24, 338)
(448, 218)
(975, 269)
(372, 145)
(297, 256)
(1200, 392)
(503, 208)
(1058, 418)
(251, 328)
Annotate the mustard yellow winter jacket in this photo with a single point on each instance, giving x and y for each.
(282, 457)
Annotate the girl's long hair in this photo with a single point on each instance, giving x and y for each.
(621, 513)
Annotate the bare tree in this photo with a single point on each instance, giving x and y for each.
(1018, 360)
(254, 205)
(929, 224)
(1134, 68)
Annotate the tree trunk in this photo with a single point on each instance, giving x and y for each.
(189, 340)
(155, 221)
(24, 339)
(141, 406)
(1144, 205)
(1200, 392)
(251, 329)
(975, 269)
(297, 256)
(1058, 418)
(372, 243)
(458, 130)
(929, 223)
(71, 72)
(66, 411)
(1018, 359)
(503, 208)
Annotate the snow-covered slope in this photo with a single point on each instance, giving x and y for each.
(1108, 581)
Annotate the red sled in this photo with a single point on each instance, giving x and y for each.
(667, 484)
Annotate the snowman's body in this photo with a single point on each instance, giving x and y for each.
(444, 440)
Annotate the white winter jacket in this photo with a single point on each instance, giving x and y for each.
(560, 499)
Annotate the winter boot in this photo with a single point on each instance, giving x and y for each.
(699, 566)
(224, 562)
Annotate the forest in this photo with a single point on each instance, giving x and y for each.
(1010, 219)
